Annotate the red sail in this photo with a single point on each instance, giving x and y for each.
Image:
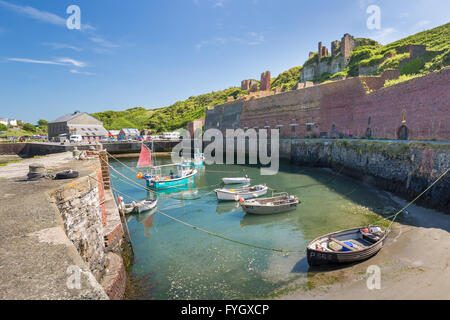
(145, 158)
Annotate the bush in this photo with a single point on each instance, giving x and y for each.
(43, 123)
(3, 127)
(412, 67)
(29, 127)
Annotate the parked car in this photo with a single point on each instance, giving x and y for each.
(76, 138)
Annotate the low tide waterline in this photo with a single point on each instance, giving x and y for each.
(178, 262)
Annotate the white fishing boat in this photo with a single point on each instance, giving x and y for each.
(278, 203)
(241, 180)
(145, 205)
(242, 193)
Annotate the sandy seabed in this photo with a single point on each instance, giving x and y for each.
(414, 264)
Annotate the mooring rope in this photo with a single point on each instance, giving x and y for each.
(227, 238)
(267, 248)
(416, 198)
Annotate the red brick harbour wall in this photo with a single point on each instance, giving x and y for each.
(350, 107)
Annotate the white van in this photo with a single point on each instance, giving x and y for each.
(171, 135)
(76, 138)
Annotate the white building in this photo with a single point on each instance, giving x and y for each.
(8, 122)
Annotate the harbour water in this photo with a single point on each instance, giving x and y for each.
(175, 261)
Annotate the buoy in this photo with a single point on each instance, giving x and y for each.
(241, 200)
(366, 230)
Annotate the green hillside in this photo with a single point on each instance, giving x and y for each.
(169, 118)
(368, 53)
(391, 55)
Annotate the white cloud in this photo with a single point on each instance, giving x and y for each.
(251, 39)
(26, 60)
(35, 13)
(423, 23)
(104, 43)
(386, 35)
(74, 62)
(40, 15)
(56, 45)
(218, 3)
(81, 72)
(59, 61)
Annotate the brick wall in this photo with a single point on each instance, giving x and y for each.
(343, 108)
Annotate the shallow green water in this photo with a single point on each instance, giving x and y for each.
(178, 262)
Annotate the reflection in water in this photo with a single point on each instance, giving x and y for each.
(147, 219)
(185, 263)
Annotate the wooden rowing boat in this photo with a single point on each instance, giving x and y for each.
(145, 205)
(240, 180)
(346, 246)
(242, 193)
(278, 203)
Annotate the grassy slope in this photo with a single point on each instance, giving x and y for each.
(369, 53)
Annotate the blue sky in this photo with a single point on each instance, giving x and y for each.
(151, 53)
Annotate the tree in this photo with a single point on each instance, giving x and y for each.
(29, 127)
(3, 127)
(43, 123)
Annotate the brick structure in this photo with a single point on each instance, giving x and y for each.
(195, 125)
(265, 81)
(417, 51)
(319, 50)
(335, 47)
(347, 45)
(253, 87)
(323, 51)
(415, 109)
(247, 84)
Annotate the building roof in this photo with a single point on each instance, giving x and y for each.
(88, 130)
(114, 132)
(70, 116)
(131, 131)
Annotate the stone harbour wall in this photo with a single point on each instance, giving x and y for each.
(80, 207)
(92, 223)
(405, 169)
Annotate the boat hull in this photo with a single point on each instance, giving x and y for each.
(144, 208)
(231, 196)
(235, 180)
(317, 258)
(165, 184)
(264, 210)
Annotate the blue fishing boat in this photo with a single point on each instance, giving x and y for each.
(185, 175)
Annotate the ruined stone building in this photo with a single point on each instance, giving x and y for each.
(340, 53)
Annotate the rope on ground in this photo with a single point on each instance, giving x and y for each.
(415, 199)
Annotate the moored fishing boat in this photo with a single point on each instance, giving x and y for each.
(145, 205)
(346, 246)
(278, 203)
(242, 193)
(240, 180)
(155, 180)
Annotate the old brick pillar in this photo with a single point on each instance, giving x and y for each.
(105, 170)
